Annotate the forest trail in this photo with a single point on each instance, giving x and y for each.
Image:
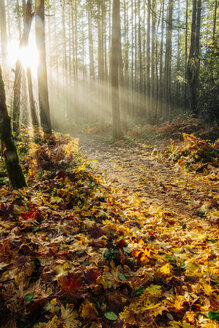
(114, 237)
(137, 173)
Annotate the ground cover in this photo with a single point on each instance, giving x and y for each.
(125, 239)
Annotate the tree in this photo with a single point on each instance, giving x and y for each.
(168, 58)
(9, 150)
(18, 69)
(194, 52)
(42, 69)
(3, 32)
(117, 132)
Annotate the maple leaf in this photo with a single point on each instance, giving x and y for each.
(166, 269)
(70, 316)
(88, 311)
(91, 276)
(154, 290)
(179, 301)
(71, 282)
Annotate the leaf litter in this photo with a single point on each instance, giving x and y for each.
(129, 240)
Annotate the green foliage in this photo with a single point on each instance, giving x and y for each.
(213, 315)
(111, 316)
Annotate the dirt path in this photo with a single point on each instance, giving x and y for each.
(139, 174)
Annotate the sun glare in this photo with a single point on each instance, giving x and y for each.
(28, 55)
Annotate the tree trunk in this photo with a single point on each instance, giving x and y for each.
(148, 93)
(194, 61)
(186, 55)
(18, 69)
(42, 69)
(161, 65)
(33, 114)
(153, 60)
(117, 133)
(9, 150)
(91, 47)
(168, 59)
(3, 33)
(214, 21)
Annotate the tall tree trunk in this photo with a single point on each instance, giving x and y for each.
(168, 60)
(141, 108)
(117, 132)
(3, 33)
(214, 21)
(18, 69)
(42, 69)
(153, 60)
(9, 150)
(178, 98)
(148, 93)
(100, 59)
(91, 47)
(33, 113)
(161, 84)
(132, 62)
(123, 105)
(126, 63)
(194, 61)
(64, 60)
(186, 55)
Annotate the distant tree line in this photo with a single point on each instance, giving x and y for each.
(164, 54)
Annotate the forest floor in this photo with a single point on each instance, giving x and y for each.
(139, 172)
(123, 235)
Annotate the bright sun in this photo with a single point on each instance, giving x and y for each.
(28, 55)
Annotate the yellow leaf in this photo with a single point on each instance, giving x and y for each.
(69, 316)
(206, 288)
(166, 269)
(179, 302)
(56, 200)
(154, 290)
(175, 324)
(187, 325)
(62, 270)
(88, 310)
(101, 280)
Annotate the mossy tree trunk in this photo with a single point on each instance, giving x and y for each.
(9, 150)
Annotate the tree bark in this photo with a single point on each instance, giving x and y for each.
(186, 55)
(117, 132)
(18, 69)
(9, 150)
(214, 21)
(42, 69)
(153, 59)
(33, 114)
(148, 93)
(194, 61)
(91, 47)
(168, 59)
(3, 33)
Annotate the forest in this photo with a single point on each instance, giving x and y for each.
(109, 148)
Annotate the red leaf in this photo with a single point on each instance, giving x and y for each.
(122, 243)
(70, 282)
(60, 174)
(91, 276)
(95, 231)
(27, 216)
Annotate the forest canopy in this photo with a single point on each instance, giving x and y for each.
(166, 54)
